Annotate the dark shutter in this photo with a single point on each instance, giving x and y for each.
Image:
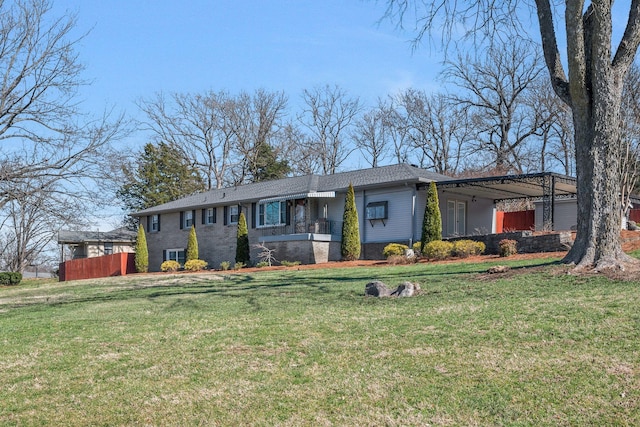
(253, 215)
(204, 216)
(193, 217)
(226, 215)
(159, 222)
(215, 214)
(288, 211)
(148, 223)
(181, 220)
(164, 255)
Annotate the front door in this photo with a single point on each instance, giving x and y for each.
(456, 218)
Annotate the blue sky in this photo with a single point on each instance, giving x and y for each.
(138, 47)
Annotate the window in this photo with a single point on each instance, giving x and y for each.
(376, 210)
(233, 214)
(175, 255)
(187, 219)
(209, 216)
(155, 223)
(272, 213)
(108, 248)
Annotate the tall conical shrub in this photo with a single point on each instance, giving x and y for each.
(192, 245)
(350, 247)
(242, 247)
(141, 258)
(432, 222)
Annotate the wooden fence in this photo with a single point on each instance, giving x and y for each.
(119, 264)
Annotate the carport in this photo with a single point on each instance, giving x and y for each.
(547, 187)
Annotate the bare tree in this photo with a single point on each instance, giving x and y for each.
(590, 82)
(255, 122)
(371, 135)
(328, 116)
(200, 126)
(436, 127)
(630, 139)
(494, 92)
(46, 143)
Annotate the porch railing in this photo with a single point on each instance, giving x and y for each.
(321, 226)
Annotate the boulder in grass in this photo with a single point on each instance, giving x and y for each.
(405, 289)
(498, 269)
(377, 289)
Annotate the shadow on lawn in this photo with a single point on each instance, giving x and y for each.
(252, 285)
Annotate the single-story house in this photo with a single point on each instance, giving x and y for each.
(301, 217)
(91, 244)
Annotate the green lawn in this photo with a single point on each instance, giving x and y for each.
(305, 347)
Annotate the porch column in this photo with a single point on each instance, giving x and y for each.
(548, 201)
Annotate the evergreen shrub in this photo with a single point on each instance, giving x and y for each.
(170, 266)
(10, 278)
(508, 247)
(467, 248)
(438, 250)
(195, 265)
(397, 249)
(350, 247)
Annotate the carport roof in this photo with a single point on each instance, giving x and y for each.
(512, 186)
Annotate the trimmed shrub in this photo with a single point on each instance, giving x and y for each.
(170, 266)
(432, 222)
(10, 278)
(224, 265)
(508, 247)
(195, 265)
(192, 246)
(243, 250)
(350, 247)
(262, 264)
(438, 250)
(466, 248)
(239, 265)
(289, 263)
(141, 256)
(394, 249)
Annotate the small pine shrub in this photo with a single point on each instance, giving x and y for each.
(195, 265)
(10, 278)
(289, 263)
(262, 264)
(438, 250)
(192, 245)
(394, 249)
(141, 257)
(466, 248)
(350, 247)
(239, 265)
(170, 266)
(508, 247)
(224, 265)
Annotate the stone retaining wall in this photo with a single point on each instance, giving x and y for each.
(528, 242)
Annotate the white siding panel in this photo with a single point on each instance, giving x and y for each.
(399, 225)
(564, 216)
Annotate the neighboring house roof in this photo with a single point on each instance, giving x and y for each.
(363, 178)
(66, 237)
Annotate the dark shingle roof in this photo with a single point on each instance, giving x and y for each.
(117, 235)
(363, 178)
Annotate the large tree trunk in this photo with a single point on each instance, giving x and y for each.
(598, 242)
(595, 86)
